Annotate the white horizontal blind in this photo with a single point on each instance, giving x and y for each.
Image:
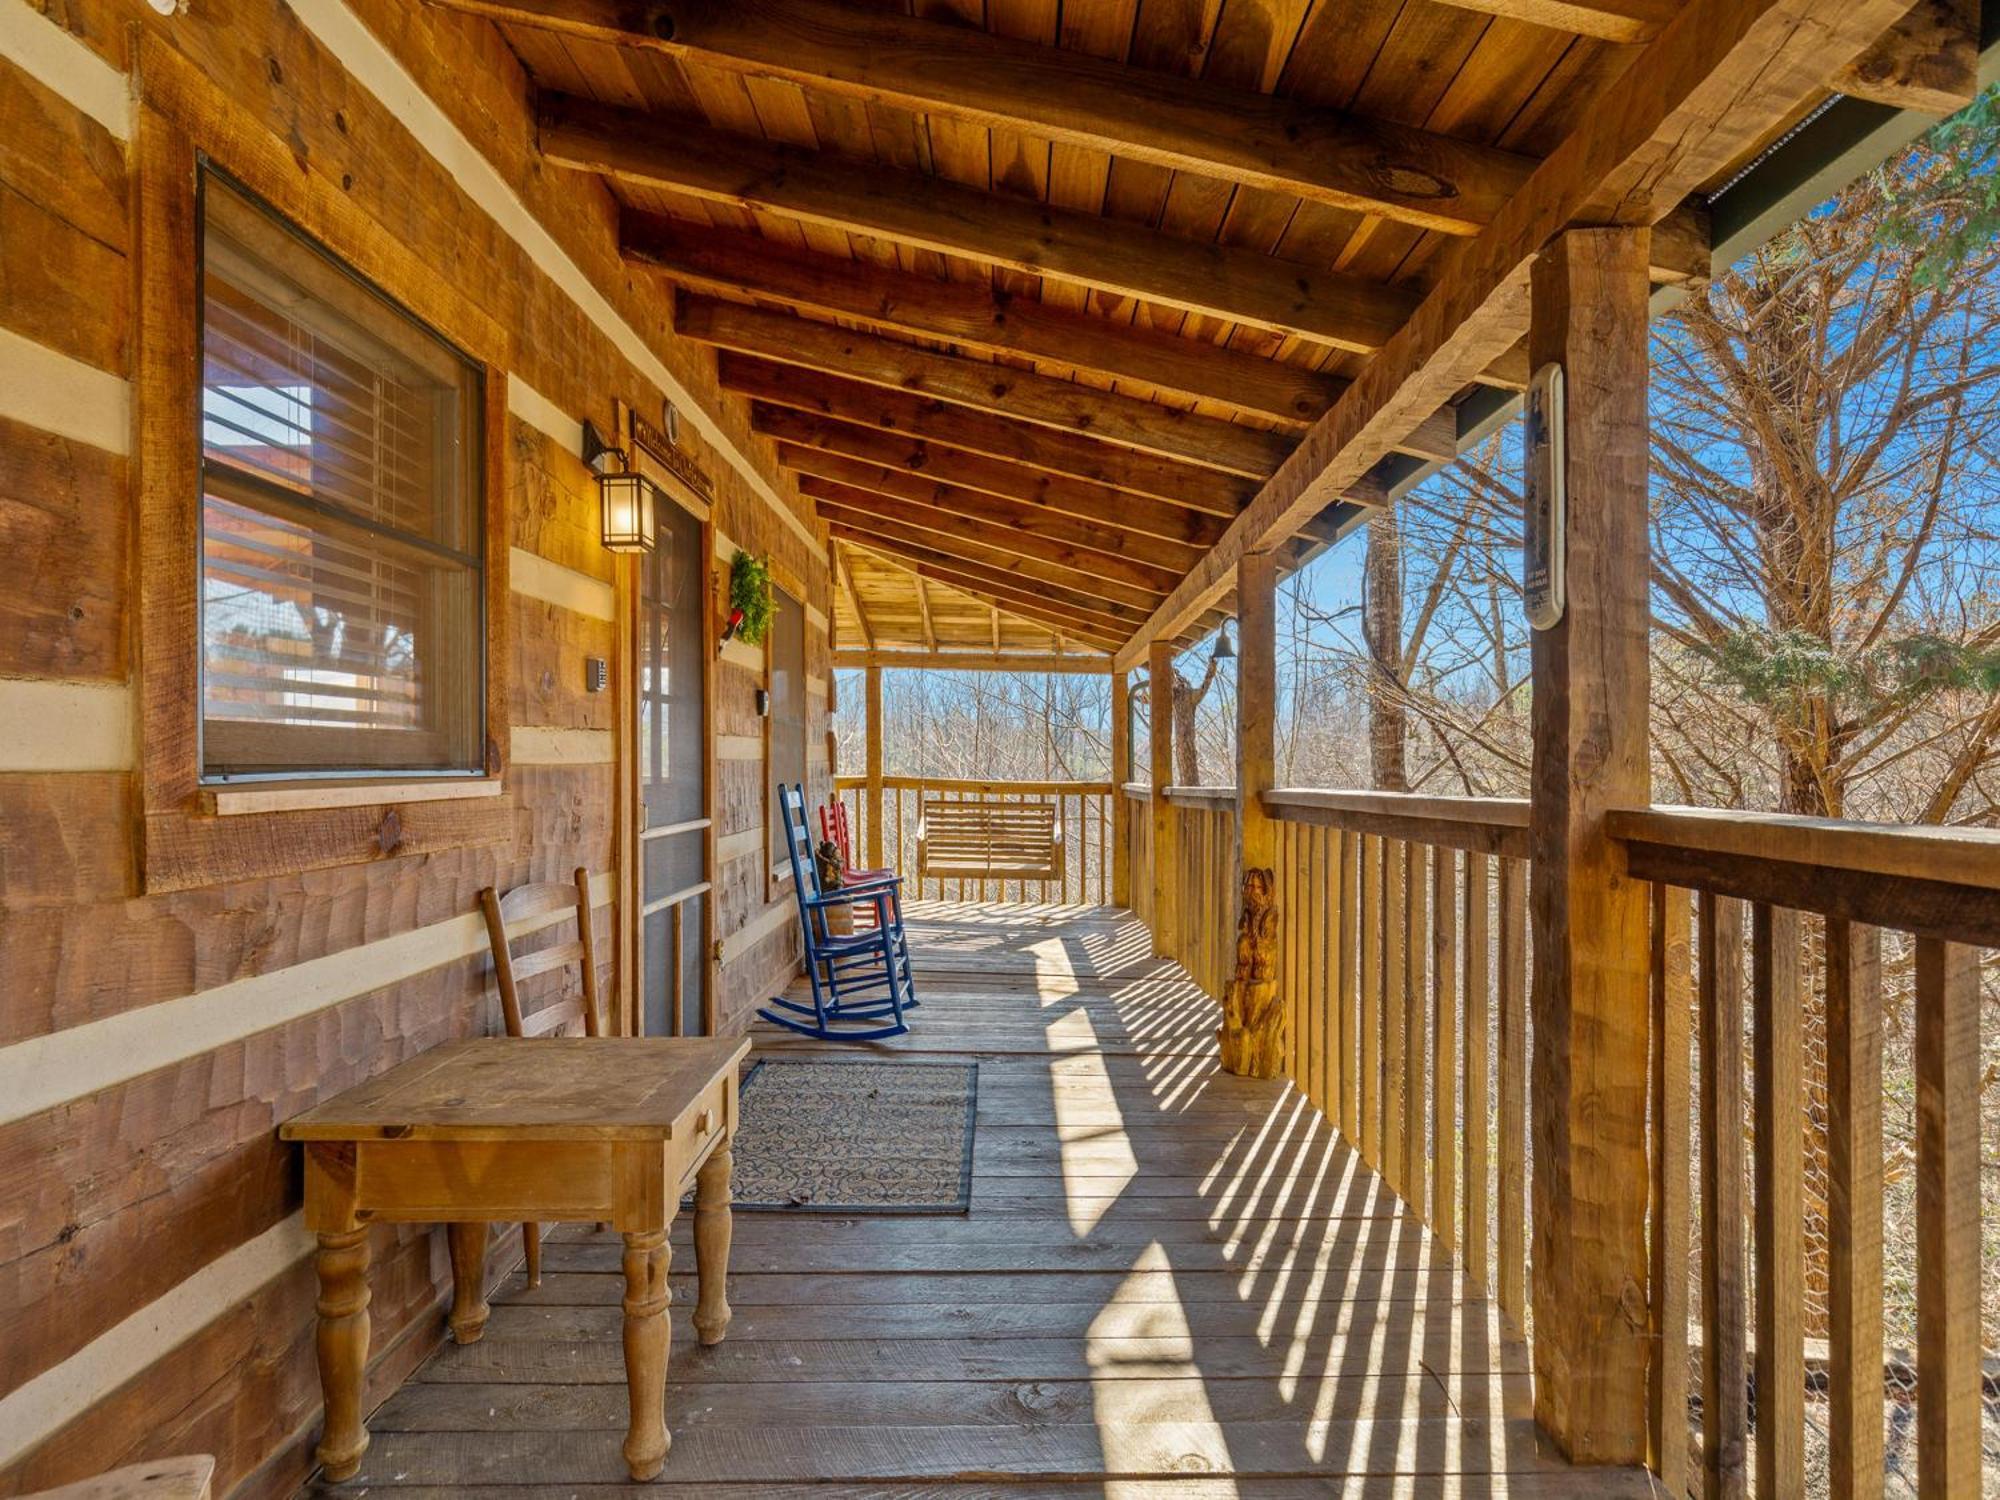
(341, 549)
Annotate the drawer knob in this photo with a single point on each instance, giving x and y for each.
(704, 1122)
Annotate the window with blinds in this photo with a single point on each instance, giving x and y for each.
(788, 716)
(342, 566)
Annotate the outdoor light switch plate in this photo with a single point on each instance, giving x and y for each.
(596, 674)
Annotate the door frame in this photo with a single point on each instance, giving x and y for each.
(686, 486)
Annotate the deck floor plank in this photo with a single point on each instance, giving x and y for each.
(1172, 1285)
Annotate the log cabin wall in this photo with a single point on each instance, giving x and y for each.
(174, 988)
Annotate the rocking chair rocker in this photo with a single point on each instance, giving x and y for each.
(861, 982)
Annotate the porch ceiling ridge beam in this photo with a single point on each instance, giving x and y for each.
(1038, 447)
(1720, 78)
(1023, 395)
(1105, 534)
(1033, 608)
(1124, 602)
(948, 566)
(1928, 61)
(1234, 284)
(975, 315)
(1326, 156)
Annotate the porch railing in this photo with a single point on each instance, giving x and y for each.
(1083, 809)
(1815, 1095)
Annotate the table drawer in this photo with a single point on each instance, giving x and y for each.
(711, 1118)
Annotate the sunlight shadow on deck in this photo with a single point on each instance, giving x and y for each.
(1090, 1092)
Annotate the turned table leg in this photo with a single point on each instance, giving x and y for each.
(468, 1282)
(343, 1348)
(646, 1340)
(711, 1244)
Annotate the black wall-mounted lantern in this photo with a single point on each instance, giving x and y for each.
(628, 501)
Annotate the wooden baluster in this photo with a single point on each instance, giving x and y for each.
(1300, 1050)
(1347, 899)
(1444, 1031)
(1325, 1025)
(1725, 1425)
(1297, 913)
(1395, 932)
(1777, 1068)
(1513, 1091)
(1854, 1202)
(1368, 938)
(1416, 1027)
(1948, 1328)
(1672, 1103)
(1473, 971)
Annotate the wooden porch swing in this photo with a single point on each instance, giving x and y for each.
(987, 839)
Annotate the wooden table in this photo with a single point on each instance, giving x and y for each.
(495, 1130)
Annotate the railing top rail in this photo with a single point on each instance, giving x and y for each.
(1483, 825)
(1202, 796)
(966, 784)
(1961, 856)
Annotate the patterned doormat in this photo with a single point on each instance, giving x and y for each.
(856, 1137)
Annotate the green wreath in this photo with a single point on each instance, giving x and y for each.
(750, 592)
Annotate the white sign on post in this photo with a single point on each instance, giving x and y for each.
(1542, 565)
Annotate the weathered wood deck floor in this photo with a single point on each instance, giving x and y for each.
(1172, 1284)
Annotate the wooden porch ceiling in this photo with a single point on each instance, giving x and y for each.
(1040, 301)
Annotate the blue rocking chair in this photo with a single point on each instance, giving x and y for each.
(861, 981)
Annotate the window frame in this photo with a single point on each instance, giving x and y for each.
(188, 836)
(479, 478)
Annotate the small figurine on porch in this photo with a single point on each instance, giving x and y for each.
(1253, 1021)
(839, 919)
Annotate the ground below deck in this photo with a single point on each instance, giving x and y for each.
(1172, 1284)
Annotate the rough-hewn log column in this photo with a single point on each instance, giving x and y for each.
(1121, 772)
(874, 770)
(1590, 918)
(1160, 740)
(1253, 1017)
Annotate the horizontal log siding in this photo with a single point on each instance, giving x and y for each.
(114, 1344)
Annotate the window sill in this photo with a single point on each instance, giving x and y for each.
(305, 796)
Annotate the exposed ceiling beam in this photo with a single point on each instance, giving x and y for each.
(995, 660)
(1116, 577)
(1221, 281)
(1717, 81)
(799, 433)
(1186, 125)
(1928, 61)
(854, 596)
(979, 432)
(976, 315)
(1035, 606)
(1105, 536)
(1032, 486)
(982, 385)
(924, 612)
(1027, 559)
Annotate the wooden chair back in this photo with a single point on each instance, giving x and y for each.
(525, 904)
(989, 840)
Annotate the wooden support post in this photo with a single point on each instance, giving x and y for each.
(1166, 874)
(1121, 772)
(1590, 918)
(874, 771)
(1253, 1037)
